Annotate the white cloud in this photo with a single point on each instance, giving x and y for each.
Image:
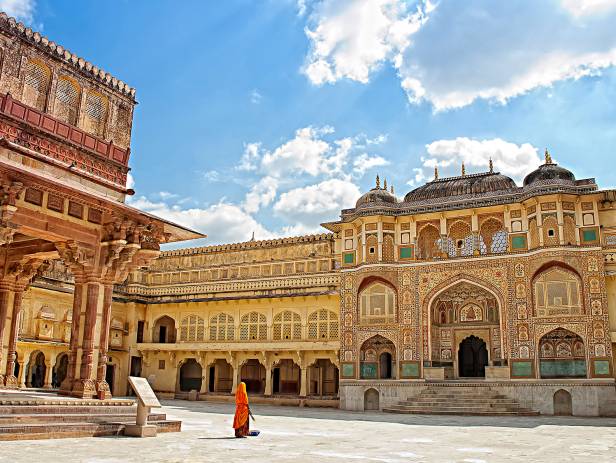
(351, 38)
(365, 162)
(451, 55)
(222, 222)
(212, 176)
(261, 194)
(250, 157)
(588, 7)
(308, 206)
(22, 10)
(255, 97)
(509, 159)
(130, 181)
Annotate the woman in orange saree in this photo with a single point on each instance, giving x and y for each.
(241, 420)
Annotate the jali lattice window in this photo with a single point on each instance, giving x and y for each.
(323, 324)
(287, 325)
(66, 104)
(36, 84)
(192, 328)
(253, 327)
(557, 292)
(222, 328)
(95, 114)
(377, 304)
(493, 237)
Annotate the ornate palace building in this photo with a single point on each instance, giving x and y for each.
(467, 282)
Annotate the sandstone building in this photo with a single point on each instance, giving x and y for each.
(468, 278)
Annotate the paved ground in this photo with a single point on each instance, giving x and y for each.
(323, 435)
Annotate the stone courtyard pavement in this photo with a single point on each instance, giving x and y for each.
(292, 434)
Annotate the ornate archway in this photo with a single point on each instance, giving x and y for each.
(462, 310)
(378, 358)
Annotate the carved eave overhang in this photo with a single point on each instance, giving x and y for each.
(171, 232)
(458, 202)
(14, 28)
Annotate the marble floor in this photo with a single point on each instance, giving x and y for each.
(290, 434)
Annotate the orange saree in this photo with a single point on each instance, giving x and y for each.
(240, 420)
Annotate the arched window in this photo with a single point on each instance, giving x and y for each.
(569, 230)
(493, 237)
(551, 236)
(427, 242)
(533, 231)
(192, 328)
(372, 249)
(95, 113)
(377, 304)
(287, 325)
(388, 248)
(66, 103)
(557, 292)
(253, 327)
(36, 84)
(460, 239)
(562, 355)
(323, 324)
(222, 328)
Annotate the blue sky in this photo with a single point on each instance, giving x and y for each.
(271, 115)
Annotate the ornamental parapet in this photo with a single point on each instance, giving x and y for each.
(291, 346)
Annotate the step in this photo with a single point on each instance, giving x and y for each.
(73, 418)
(460, 412)
(66, 430)
(426, 400)
(66, 409)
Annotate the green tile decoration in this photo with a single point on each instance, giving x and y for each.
(368, 370)
(521, 369)
(589, 235)
(410, 370)
(406, 252)
(348, 370)
(349, 257)
(562, 368)
(518, 242)
(602, 367)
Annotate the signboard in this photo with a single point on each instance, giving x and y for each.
(144, 391)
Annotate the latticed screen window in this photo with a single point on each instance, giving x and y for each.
(95, 113)
(323, 324)
(222, 328)
(557, 292)
(192, 328)
(377, 304)
(287, 325)
(36, 85)
(67, 101)
(253, 327)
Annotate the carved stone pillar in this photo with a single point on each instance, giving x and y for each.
(268, 379)
(67, 385)
(48, 374)
(5, 297)
(102, 387)
(10, 379)
(303, 388)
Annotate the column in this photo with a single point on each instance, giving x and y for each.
(304, 381)
(48, 374)
(236, 375)
(10, 379)
(5, 296)
(102, 387)
(21, 376)
(268, 379)
(67, 385)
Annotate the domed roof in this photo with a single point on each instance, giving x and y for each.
(549, 171)
(377, 195)
(485, 182)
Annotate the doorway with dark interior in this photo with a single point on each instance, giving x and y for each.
(472, 358)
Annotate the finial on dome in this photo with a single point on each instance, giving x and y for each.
(463, 170)
(253, 236)
(548, 157)
(435, 173)
(491, 166)
(378, 181)
(385, 184)
(392, 190)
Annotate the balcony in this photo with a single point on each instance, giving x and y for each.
(92, 156)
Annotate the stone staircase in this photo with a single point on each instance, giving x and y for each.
(450, 399)
(53, 419)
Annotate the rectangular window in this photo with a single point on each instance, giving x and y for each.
(140, 325)
(161, 364)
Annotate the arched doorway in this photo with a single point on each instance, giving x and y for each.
(461, 311)
(36, 370)
(563, 405)
(110, 375)
(371, 399)
(220, 377)
(253, 374)
(286, 377)
(562, 355)
(472, 358)
(60, 369)
(164, 330)
(377, 356)
(191, 376)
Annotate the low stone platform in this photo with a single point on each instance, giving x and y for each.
(28, 415)
(438, 400)
(279, 400)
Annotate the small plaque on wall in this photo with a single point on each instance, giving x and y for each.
(601, 368)
(348, 258)
(409, 370)
(347, 371)
(406, 252)
(522, 369)
(518, 242)
(590, 235)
